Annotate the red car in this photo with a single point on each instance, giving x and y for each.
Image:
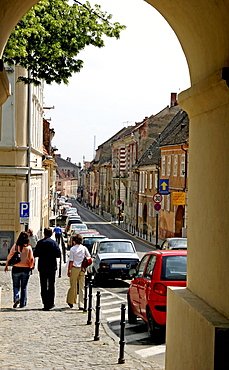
(148, 289)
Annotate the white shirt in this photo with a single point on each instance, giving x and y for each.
(77, 254)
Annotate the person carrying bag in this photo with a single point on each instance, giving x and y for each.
(76, 271)
(21, 269)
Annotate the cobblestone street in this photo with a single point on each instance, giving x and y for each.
(56, 339)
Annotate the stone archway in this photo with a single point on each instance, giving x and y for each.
(202, 27)
(179, 221)
(144, 219)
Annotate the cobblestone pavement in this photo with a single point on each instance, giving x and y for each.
(57, 339)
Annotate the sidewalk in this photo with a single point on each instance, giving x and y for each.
(57, 339)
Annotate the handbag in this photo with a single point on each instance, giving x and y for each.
(87, 261)
(16, 258)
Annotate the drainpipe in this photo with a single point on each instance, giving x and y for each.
(28, 147)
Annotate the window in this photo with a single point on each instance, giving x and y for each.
(151, 204)
(168, 165)
(163, 165)
(168, 203)
(156, 180)
(175, 165)
(140, 209)
(146, 180)
(163, 202)
(150, 180)
(141, 267)
(182, 165)
(150, 267)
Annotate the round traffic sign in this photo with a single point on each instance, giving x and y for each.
(119, 202)
(157, 198)
(157, 207)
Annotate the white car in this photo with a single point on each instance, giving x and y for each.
(174, 243)
(73, 230)
(112, 258)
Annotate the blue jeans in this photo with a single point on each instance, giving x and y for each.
(20, 282)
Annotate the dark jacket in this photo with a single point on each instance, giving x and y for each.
(47, 250)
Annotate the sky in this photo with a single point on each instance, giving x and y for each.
(120, 84)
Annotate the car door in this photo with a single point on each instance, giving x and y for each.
(145, 286)
(135, 283)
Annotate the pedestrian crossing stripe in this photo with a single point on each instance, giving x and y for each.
(152, 351)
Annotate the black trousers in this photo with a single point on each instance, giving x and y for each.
(47, 282)
(57, 236)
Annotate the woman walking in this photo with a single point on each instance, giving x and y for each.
(22, 270)
(76, 272)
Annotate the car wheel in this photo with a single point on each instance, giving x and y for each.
(156, 332)
(132, 318)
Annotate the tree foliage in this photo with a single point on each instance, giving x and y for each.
(49, 37)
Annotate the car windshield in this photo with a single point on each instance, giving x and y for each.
(178, 243)
(90, 241)
(174, 268)
(116, 247)
(78, 227)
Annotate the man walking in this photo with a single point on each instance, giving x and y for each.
(58, 231)
(47, 250)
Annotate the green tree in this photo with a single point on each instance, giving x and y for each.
(49, 37)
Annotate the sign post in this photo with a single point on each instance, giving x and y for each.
(164, 186)
(24, 213)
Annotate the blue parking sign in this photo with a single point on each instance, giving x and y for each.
(24, 209)
(164, 186)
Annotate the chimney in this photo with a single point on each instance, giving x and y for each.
(173, 102)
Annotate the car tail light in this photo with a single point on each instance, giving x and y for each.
(104, 265)
(160, 289)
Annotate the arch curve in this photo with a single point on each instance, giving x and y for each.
(202, 28)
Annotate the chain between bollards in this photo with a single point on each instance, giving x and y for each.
(121, 359)
(97, 316)
(89, 322)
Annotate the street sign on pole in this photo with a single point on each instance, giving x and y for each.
(164, 186)
(157, 206)
(157, 198)
(24, 213)
(119, 202)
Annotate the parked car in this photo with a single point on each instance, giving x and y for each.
(71, 220)
(90, 239)
(147, 292)
(58, 220)
(112, 258)
(174, 243)
(72, 210)
(73, 230)
(89, 232)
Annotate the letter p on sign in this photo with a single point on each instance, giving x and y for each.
(24, 209)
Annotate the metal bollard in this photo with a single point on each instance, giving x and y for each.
(121, 359)
(85, 294)
(97, 322)
(89, 322)
(60, 265)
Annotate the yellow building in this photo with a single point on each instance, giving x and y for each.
(23, 180)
